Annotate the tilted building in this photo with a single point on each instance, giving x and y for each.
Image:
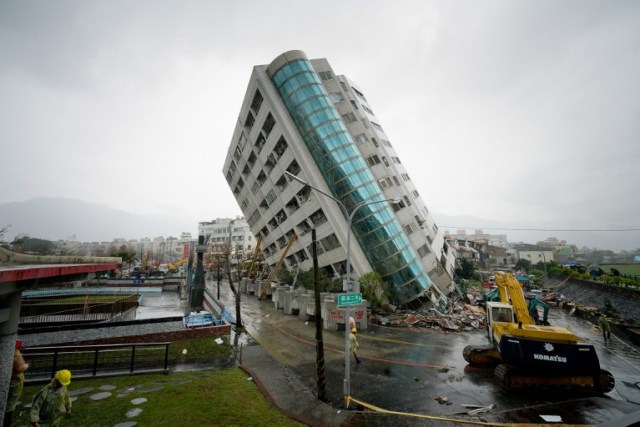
(298, 116)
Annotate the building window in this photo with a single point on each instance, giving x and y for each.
(268, 125)
(415, 194)
(361, 138)
(280, 147)
(375, 143)
(373, 160)
(325, 75)
(368, 110)
(248, 123)
(349, 118)
(405, 177)
(385, 161)
(410, 228)
(407, 200)
(385, 183)
(242, 141)
(377, 126)
(337, 97)
(237, 154)
(329, 243)
(260, 141)
(354, 105)
(257, 102)
(357, 92)
(271, 197)
(294, 168)
(318, 217)
(396, 180)
(423, 251)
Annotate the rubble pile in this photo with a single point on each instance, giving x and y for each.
(459, 316)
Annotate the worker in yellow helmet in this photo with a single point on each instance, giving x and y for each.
(52, 402)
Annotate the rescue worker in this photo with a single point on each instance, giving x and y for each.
(52, 402)
(605, 327)
(353, 344)
(17, 383)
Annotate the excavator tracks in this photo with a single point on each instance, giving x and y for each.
(481, 355)
(515, 379)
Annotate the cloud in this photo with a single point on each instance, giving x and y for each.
(524, 111)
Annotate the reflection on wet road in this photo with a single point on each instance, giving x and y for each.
(421, 370)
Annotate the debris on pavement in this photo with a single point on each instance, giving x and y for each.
(442, 400)
(481, 410)
(551, 418)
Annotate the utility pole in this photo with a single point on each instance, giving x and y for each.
(197, 291)
(321, 380)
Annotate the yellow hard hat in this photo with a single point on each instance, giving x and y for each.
(63, 377)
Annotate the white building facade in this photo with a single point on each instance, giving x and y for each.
(233, 233)
(298, 116)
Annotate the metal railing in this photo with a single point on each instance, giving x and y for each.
(92, 360)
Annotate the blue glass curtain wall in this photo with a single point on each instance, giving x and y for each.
(346, 173)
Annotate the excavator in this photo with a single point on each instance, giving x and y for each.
(530, 356)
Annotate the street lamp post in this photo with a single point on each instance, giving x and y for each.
(348, 287)
(544, 261)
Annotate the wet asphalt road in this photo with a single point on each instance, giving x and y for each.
(409, 369)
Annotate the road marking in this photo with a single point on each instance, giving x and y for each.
(374, 359)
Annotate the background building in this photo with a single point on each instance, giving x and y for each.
(227, 232)
(298, 116)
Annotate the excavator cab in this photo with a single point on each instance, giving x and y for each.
(501, 314)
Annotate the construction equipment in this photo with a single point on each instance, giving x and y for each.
(272, 276)
(530, 356)
(254, 258)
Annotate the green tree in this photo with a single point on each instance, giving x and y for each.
(374, 289)
(523, 264)
(466, 270)
(3, 231)
(34, 246)
(286, 276)
(128, 255)
(326, 283)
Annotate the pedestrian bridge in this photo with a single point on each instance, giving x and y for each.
(21, 272)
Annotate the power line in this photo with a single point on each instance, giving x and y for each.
(545, 229)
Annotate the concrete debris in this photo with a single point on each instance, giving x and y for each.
(458, 316)
(442, 400)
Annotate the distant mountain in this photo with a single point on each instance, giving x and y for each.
(58, 218)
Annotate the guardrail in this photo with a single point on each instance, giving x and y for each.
(92, 360)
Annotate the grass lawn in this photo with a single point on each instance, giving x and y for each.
(632, 269)
(195, 398)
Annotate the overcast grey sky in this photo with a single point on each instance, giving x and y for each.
(520, 112)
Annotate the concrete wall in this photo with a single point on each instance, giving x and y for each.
(301, 302)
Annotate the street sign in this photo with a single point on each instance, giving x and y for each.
(345, 300)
